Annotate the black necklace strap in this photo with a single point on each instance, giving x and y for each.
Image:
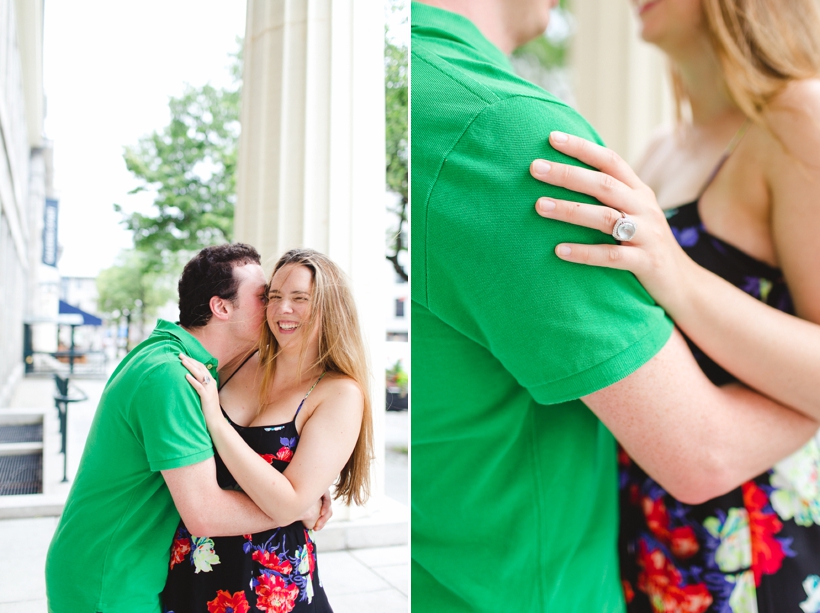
(245, 361)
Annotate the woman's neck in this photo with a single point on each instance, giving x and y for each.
(703, 82)
(290, 368)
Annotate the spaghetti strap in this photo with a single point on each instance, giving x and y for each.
(308, 394)
(245, 361)
(725, 156)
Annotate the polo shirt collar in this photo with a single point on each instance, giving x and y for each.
(445, 24)
(192, 346)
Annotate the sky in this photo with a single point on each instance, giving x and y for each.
(109, 70)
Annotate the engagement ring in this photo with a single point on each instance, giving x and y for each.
(624, 229)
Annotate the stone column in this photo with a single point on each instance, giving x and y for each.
(620, 82)
(311, 155)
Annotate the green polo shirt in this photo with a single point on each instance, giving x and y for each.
(514, 492)
(110, 552)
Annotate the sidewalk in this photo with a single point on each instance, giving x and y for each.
(371, 579)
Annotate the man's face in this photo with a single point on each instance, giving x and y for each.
(248, 312)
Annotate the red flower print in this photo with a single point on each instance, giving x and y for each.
(180, 548)
(310, 553)
(284, 454)
(274, 595)
(225, 603)
(683, 542)
(629, 593)
(268, 457)
(272, 561)
(767, 552)
(623, 457)
(247, 537)
(680, 540)
(661, 581)
(657, 517)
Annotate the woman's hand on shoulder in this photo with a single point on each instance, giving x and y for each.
(205, 385)
(653, 254)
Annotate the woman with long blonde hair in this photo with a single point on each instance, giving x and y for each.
(731, 253)
(295, 418)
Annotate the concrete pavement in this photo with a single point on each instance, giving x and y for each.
(364, 562)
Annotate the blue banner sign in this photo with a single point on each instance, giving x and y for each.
(50, 233)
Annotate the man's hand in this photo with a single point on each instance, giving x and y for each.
(327, 511)
(318, 514)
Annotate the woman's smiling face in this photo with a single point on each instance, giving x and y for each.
(290, 305)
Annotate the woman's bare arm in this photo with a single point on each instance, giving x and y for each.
(773, 352)
(325, 444)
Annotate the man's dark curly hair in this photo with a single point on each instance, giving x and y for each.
(209, 274)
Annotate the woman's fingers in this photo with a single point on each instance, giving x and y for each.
(595, 155)
(606, 256)
(196, 384)
(593, 216)
(196, 368)
(599, 185)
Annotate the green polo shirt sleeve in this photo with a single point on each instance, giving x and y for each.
(167, 417)
(563, 330)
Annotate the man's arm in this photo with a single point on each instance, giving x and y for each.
(697, 440)
(208, 510)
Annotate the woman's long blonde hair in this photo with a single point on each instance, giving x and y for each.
(341, 350)
(761, 46)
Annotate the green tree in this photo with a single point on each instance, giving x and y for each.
(396, 141)
(131, 288)
(190, 166)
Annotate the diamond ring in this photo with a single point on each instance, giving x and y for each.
(624, 229)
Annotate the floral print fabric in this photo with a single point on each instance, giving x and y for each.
(273, 571)
(753, 550)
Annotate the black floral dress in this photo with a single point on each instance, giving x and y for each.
(755, 549)
(273, 571)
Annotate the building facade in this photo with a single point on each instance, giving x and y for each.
(25, 169)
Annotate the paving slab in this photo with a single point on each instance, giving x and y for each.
(26, 606)
(387, 601)
(24, 543)
(396, 576)
(342, 574)
(382, 556)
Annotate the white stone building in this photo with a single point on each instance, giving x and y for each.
(28, 288)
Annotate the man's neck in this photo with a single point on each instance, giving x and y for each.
(223, 347)
(488, 16)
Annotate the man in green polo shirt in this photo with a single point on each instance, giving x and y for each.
(514, 501)
(148, 459)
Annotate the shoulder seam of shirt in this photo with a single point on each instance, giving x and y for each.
(432, 60)
(470, 84)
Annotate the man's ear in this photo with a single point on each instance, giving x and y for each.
(220, 308)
